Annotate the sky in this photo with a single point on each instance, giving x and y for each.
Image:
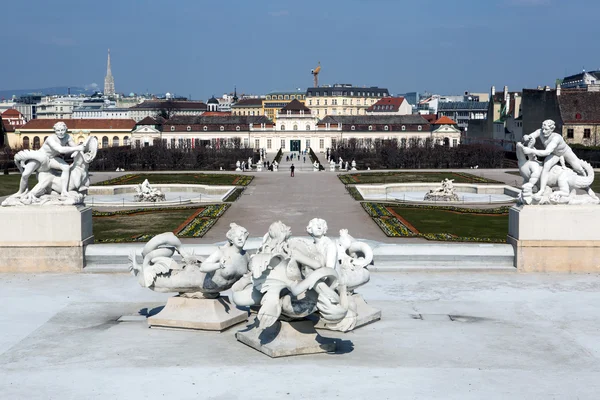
(201, 48)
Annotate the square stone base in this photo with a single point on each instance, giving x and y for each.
(286, 339)
(205, 314)
(44, 238)
(555, 238)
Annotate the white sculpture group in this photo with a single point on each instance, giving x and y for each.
(287, 279)
(445, 192)
(59, 183)
(552, 182)
(146, 193)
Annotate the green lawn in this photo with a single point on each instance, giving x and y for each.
(129, 226)
(411, 177)
(197, 179)
(494, 227)
(9, 184)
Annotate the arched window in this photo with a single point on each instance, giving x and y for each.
(403, 127)
(205, 128)
(172, 128)
(295, 127)
(237, 128)
(370, 127)
(115, 141)
(80, 140)
(25, 142)
(419, 128)
(282, 127)
(308, 127)
(104, 141)
(387, 128)
(36, 142)
(352, 128)
(126, 141)
(189, 128)
(222, 128)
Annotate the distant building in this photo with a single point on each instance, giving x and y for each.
(109, 132)
(581, 80)
(152, 108)
(463, 111)
(58, 107)
(390, 106)
(343, 99)
(252, 107)
(275, 101)
(109, 81)
(298, 123)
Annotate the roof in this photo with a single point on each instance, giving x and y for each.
(579, 106)
(387, 104)
(12, 113)
(249, 103)
(220, 119)
(414, 119)
(444, 121)
(431, 118)
(216, 113)
(77, 124)
(7, 126)
(295, 106)
(180, 105)
(464, 105)
(148, 121)
(347, 90)
(212, 100)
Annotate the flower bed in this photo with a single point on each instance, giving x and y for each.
(233, 196)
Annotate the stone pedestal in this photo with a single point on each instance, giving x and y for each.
(365, 314)
(44, 238)
(206, 314)
(286, 339)
(555, 238)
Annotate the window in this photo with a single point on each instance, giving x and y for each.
(307, 143)
(26, 142)
(387, 128)
(172, 143)
(282, 127)
(222, 128)
(256, 143)
(295, 127)
(115, 141)
(172, 128)
(325, 102)
(283, 143)
(269, 143)
(205, 128)
(454, 142)
(370, 127)
(308, 127)
(104, 141)
(321, 144)
(352, 128)
(36, 142)
(237, 128)
(419, 128)
(310, 102)
(587, 133)
(570, 133)
(333, 142)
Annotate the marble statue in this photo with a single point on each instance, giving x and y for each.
(59, 183)
(275, 165)
(443, 193)
(199, 282)
(332, 165)
(353, 165)
(238, 165)
(316, 166)
(146, 193)
(249, 164)
(346, 166)
(560, 183)
(341, 162)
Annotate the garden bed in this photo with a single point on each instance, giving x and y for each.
(412, 177)
(194, 179)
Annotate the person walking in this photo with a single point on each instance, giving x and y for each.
(292, 168)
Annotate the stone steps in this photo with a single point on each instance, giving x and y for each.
(434, 256)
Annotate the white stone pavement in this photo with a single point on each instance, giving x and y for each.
(511, 336)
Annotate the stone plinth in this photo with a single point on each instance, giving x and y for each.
(286, 339)
(44, 238)
(555, 238)
(205, 314)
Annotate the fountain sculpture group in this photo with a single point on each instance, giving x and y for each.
(444, 193)
(146, 193)
(292, 284)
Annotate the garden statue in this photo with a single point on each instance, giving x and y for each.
(238, 165)
(332, 165)
(316, 166)
(346, 168)
(249, 164)
(353, 165)
(198, 281)
(557, 182)
(341, 163)
(275, 165)
(146, 193)
(443, 193)
(59, 183)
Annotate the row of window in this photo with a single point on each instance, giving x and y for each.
(346, 93)
(36, 144)
(587, 133)
(285, 97)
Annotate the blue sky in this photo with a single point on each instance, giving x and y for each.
(200, 48)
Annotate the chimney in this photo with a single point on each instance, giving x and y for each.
(505, 93)
(557, 89)
(493, 90)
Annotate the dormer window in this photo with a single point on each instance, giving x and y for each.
(387, 128)
(370, 127)
(172, 128)
(189, 128)
(222, 128)
(205, 128)
(237, 128)
(419, 128)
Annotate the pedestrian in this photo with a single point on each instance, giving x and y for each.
(292, 168)
(304, 158)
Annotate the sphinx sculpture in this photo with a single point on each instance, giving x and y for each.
(146, 193)
(552, 182)
(198, 281)
(59, 183)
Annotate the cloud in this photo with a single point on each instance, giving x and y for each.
(528, 3)
(280, 13)
(91, 86)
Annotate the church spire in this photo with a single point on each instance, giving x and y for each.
(109, 81)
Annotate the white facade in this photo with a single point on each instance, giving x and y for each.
(58, 107)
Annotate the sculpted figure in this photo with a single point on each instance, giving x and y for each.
(146, 193)
(555, 147)
(194, 277)
(69, 182)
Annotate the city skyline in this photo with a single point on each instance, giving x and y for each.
(206, 49)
